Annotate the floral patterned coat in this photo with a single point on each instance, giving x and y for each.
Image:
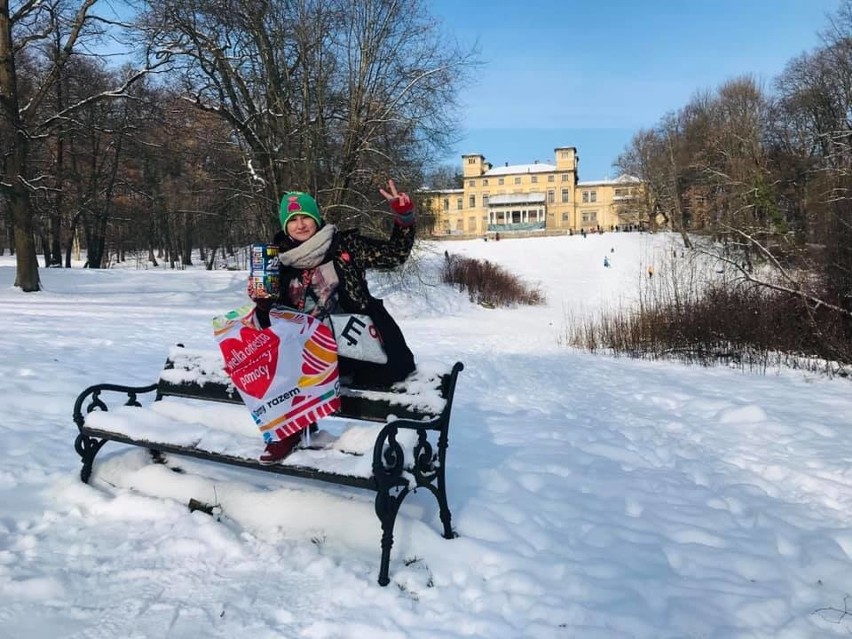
(351, 255)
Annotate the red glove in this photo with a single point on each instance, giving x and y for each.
(400, 204)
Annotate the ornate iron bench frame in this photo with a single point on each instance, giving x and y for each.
(388, 465)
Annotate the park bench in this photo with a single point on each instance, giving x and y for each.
(182, 413)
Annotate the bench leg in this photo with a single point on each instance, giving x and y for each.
(441, 485)
(443, 506)
(87, 447)
(387, 507)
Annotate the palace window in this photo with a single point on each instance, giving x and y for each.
(472, 201)
(446, 204)
(551, 178)
(459, 203)
(471, 183)
(517, 180)
(550, 196)
(484, 181)
(534, 179)
(565, 195)
(485, 199)
(500, 181)
(590, 217)
(471, 224)
(564, 177)
(564, 217)
(590, 196)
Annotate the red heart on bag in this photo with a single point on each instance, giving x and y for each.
(251, 360)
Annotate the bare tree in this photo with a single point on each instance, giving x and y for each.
(324, 95)
(638, 160)
(656, 157)
(769, 177)
(45, 36)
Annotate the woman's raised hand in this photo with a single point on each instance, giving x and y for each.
(399, 202)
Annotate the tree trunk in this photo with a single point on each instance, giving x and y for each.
(72, 239)
(45, 245)
(14, 172)
(26, 275)
(96, 240)
(186, 244)
(211, 263)
(55, 230)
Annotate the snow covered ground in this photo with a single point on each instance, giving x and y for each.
(593, 497)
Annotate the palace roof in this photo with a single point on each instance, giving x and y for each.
(513, 169)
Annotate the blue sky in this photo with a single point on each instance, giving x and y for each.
(589, 73)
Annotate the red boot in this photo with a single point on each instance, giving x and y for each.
(276, 451)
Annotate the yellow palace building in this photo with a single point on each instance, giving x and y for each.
(526, 199)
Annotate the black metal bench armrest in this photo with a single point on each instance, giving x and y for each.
(93, 394)
(425, 465)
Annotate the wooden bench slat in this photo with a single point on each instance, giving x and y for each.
(218, 429)
(198, 374)
(305, 472)
(353, 404)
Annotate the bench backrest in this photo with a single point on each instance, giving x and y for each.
(427, 394)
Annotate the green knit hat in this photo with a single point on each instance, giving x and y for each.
(298, 203)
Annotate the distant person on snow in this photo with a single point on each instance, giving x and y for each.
(606, 262)
(322, 271)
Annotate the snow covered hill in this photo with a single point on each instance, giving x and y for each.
(593, 497)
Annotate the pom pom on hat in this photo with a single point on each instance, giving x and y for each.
(299, 203)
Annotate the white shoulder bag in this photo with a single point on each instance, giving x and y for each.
(357, 338)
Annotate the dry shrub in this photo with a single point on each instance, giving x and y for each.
(724, 322)
(487, 283)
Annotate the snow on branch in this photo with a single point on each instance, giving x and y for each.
(30, 184)
(794, 287)
(67, 48)
(24, 10)
(119, 92)
(254, 174)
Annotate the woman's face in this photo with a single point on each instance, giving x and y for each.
(301, 227)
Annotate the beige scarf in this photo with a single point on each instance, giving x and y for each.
(309, 254)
